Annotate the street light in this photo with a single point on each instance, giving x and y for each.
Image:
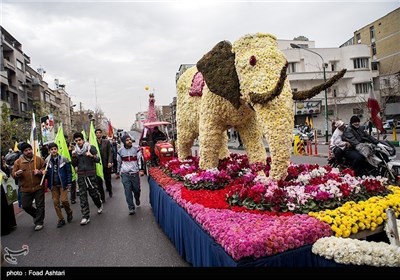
(295, 46)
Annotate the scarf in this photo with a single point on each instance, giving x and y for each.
(83, 150)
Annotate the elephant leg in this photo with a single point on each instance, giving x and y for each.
(185, 142)
(210, 145)
(223, 151)
(280, 147)
(252, 140)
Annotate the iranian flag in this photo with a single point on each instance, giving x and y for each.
(375, 109)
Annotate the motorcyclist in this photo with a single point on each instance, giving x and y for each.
(337, 145)
(355, 135)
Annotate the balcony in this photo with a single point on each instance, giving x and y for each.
(4, 77)
(9, 65)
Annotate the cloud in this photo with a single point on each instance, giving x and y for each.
(108, 52)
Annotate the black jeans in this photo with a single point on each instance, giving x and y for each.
(357, 160)
(27, 201)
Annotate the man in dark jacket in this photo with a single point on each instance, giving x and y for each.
(355, 135)
(59, 176)
(85, 158)
(107, 162)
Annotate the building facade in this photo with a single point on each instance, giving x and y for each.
(23, 89)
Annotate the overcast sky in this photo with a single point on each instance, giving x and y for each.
(107, 53)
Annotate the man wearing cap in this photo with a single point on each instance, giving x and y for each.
(130, 167)
(355, 135)
(337, 145)
(29, 171)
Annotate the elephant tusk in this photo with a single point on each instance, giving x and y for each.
(306, 94)
(270, 95)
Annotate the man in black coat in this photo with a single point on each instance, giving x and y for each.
(355, 135)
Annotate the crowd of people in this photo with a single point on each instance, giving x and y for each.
(35, 174)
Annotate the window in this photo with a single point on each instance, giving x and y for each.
(361, 62)
(23, 106)
(292, 67)
(373, 48)
(19, 65)
(333, 66)
(375, 65)
(358, 38)
(372, 32)
(362, 88)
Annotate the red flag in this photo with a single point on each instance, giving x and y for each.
(375, 109)
(110, 132)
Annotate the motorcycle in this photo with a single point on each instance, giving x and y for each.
(382, 162)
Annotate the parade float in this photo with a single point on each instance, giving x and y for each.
(223, 209)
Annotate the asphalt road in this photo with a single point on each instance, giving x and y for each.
(111, 239)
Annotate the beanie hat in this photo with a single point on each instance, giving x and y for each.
(23, 146)
(354, 119)
(124, 137)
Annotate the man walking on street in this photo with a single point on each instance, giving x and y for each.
(130, 167)
(59, 176)
(107, 161)
(85, 158)
(29, 170)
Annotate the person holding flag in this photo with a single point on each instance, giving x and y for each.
(29, 169)
(85, 157)
(105, 150)
(375, 109)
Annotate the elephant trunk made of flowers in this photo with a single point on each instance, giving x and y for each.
(243, 86)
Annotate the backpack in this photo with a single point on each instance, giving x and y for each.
(11, 158)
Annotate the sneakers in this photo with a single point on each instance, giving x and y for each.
(85, 221)
(69, 217)
(61, 223)
(99, 210)
(73, 201)
(38, 227)
(110, 194)
(132, 212)
(137, 201)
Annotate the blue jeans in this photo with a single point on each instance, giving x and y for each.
(131, 184)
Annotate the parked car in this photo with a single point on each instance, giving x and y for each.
(389, 124)
(303, 136)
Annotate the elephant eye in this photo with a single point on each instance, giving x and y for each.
(253, 60)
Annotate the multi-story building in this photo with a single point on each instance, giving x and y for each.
(383, 38)
(23, 89)
(15, 91)
(311, 66)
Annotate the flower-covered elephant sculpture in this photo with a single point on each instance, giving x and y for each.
(243, 86)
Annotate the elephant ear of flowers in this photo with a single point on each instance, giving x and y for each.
(218, 69)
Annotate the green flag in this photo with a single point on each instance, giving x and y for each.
(93, 141)
(63, 148)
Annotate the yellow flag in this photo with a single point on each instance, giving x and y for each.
(93, 141)
(63, 148)
(311, 124)
(307, 122)
(16, 146)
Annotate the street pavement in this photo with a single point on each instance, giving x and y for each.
(111, 239)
